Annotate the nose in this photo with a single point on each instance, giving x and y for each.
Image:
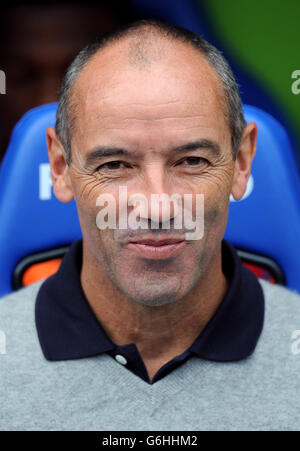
(156, 187)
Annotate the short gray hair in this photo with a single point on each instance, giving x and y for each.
(233, 105)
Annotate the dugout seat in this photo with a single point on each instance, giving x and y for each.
(36, 229)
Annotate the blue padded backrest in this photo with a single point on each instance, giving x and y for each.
(32, 219)
(267, 221)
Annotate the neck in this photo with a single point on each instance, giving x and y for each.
(160, 333)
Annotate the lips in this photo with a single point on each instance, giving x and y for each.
(156, 249)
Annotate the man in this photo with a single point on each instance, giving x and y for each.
(143, 327)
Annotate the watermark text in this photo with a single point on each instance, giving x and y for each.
(296, 84)
(186, 213)
(2, 342)
(2, 82)
(296, 342)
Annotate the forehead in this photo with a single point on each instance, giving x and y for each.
(161, 87)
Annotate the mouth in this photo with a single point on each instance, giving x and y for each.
(156, 249)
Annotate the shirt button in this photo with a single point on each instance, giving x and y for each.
(119, 358)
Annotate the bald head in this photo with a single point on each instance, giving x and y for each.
(144, 50)
(143, 45)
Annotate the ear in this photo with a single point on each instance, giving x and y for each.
(61, 180)
(245, 155)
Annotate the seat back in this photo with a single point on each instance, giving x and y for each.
(267, 221)
(32, 219)
(35, 226)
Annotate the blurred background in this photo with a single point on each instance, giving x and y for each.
(261, 40)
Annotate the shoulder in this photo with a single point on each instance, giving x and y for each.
(23, 293)
(282, 317)
(20, 344)
(18, 304)
(280, 299)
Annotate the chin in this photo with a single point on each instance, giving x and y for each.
(157, 293)
(156, 301)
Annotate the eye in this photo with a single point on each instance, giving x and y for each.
(192, 161)
(113, 165)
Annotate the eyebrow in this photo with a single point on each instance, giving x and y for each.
(201, 144)
(100, 152)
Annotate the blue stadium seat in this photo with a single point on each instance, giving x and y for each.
(267, 221)
(265, 224)
(32, 219)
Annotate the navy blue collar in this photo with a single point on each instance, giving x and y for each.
(68, 329)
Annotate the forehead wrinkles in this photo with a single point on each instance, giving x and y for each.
(142, 122)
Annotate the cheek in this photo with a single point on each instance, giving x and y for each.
(86, 192)
(216, 192)
(87, 189)
(215, 216)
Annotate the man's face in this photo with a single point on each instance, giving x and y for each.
(154, 112)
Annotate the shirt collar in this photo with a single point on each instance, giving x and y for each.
(66, 325)
(68, 329)
(233, 331)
